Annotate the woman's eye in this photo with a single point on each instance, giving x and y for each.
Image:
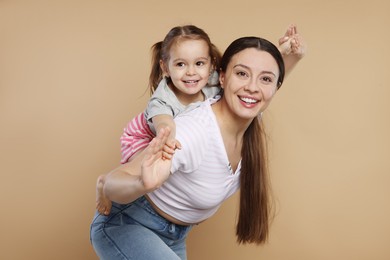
(267, 79)
(242, 74)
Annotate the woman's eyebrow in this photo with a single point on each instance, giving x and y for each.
(248, 68)
(241, 65)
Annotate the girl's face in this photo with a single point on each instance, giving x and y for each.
(249, 82)
(189, 68)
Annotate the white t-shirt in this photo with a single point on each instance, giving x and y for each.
(201, 174)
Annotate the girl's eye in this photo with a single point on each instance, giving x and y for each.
(180, 64)
(200, 63)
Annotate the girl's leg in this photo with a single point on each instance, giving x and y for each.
(103, 204)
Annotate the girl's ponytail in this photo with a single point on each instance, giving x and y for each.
(156, 73)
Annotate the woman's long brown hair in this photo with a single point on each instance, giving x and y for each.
(255, 204)
(255, 196)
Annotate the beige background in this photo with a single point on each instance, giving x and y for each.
(72, 73)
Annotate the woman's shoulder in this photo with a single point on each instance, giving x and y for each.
(193, 120)
(193, 130)
(197, 130)
(202, 106)
(197, 125)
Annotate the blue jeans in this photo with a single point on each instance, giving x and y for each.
(136, 231)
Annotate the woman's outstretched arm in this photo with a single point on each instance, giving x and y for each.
(293, 48)
(146, 172)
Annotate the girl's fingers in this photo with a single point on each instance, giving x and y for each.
(178, 145)
(166, 156)
(168, 150)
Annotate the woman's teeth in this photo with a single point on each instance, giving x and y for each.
(248, 100)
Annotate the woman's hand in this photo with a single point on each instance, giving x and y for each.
(155, 168)
(144, 173)
(292, 47)
(292, 43)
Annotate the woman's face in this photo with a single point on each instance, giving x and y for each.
(249, 82)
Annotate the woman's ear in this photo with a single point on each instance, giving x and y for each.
(164, 69)
(221, 78)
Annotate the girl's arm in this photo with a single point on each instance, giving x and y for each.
(142, 174)
(163, 121)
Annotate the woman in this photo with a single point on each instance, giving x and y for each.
(156, 201)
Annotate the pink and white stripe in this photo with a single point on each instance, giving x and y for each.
(136, 136)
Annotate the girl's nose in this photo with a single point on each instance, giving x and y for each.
(190, 71)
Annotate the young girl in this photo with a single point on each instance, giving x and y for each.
(184, 70)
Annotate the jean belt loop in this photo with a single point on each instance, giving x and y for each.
(172, 228)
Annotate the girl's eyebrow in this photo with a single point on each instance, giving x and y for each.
(199, 58)
(246, 67)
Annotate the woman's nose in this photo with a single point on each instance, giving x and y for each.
(251, 86)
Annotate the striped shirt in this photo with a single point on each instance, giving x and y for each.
(201, 174)
(136, 136)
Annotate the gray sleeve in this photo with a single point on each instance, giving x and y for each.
(163, 102)
(156, 107)
(211, 91)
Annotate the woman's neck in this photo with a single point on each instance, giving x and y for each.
(231, 124)
(232, 131)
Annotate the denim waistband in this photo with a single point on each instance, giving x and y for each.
(141, 212)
